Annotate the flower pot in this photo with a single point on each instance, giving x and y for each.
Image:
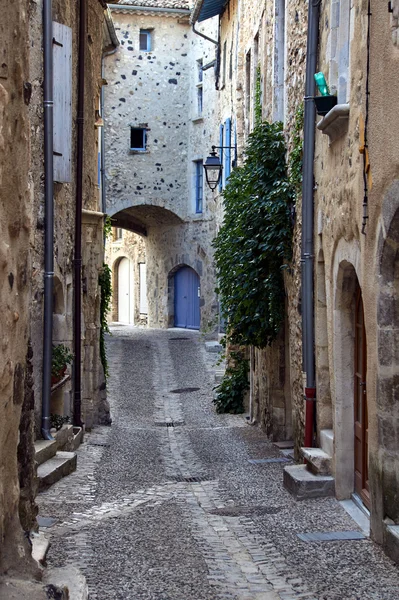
(56, 378)
(324, 104)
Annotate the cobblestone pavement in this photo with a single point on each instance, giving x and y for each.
(164, 504)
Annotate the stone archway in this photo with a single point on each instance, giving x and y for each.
(347, 258)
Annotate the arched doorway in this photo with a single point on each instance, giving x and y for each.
(350, 366)
(187, 298)
(125, 292)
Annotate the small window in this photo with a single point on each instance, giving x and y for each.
(199, 88)
(224, 63)
(138, 139)
(199, 169)
(145, 40)
(119, 233)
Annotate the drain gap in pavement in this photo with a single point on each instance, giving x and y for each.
(265, 461)
(186, 390)
(186, 479)
(331, 536)
(169, 423)
(178, 339)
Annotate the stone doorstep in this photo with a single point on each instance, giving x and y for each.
(64, 436)
(318, 461)
(219, 376)
(391, 541)
(44, 450)
(61, 465)
(71, 578)
(303, 484)
(213, 347)
(327, 441)
(40, 547)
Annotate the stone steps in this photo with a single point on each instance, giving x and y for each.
(44, 450)
(51, 471)
(318, 461)
(303, 484)
(327, 441)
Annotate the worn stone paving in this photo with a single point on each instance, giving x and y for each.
(162, 512)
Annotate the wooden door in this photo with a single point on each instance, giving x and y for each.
(361, 415)
(187, 297)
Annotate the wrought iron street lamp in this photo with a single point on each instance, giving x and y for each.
(213, 167)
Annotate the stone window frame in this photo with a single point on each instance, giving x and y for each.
(148, 33)
(199, 88)
(340, 36)
(139, 149)
(199, 186)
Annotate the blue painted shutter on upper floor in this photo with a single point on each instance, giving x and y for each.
(227, 164)
(221, 128)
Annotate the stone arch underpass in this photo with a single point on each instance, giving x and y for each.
(171, 241)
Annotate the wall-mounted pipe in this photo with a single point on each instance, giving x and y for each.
(48, 215)
(307, 250)
(77, 371)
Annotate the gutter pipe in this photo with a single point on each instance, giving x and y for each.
(48, 105)
(307, 250)
(77, 401)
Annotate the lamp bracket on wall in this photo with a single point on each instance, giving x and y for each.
(213, 166)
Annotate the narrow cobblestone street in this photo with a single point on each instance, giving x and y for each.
(164, 504)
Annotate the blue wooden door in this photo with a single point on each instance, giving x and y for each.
(187, 299)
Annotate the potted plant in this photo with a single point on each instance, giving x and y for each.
(326, 101)
(61, 357)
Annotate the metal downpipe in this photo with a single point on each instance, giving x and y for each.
(307, 250)
(49, 215)
(77, 371)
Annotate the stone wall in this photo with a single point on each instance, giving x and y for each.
(16, 227)
(354, 251)
(270, 36)
(67, 13)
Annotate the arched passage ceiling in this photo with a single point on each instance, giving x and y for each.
(139, 218)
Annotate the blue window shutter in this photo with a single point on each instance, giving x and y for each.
(227, 164)
(62, 91)
(221, 154)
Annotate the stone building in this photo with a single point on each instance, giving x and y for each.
(265, 40)
(356, 206)
(354, 212)
(45, 117)
(159, 107)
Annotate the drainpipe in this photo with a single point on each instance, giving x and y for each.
(307, 251)
(49, 215)
(77, 401)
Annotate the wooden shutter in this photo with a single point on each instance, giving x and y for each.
(221, 128)
(227, 163)
(62, 91)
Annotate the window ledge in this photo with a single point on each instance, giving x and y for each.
(198, 119)
(139, 151)
(335, 122)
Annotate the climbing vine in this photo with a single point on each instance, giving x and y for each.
(230, 392)
(296, 154)
(104, 280)
(258, 97)
(254, 241)
(107, 227)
